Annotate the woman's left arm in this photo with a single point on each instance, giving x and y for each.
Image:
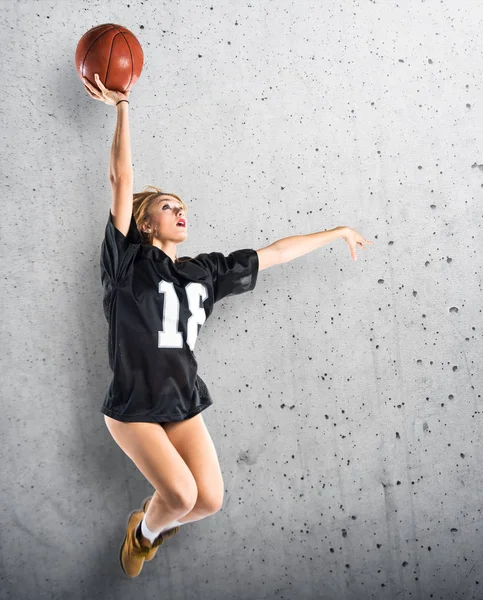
(294, 246)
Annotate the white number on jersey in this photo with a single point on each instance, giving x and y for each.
(170, 337)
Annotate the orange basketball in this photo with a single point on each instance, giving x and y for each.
(114, 53)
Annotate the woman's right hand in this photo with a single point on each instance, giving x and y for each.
(105, 95)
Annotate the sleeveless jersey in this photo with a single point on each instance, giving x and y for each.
(155, 309)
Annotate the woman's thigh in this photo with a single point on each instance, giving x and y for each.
(151, 450)
(192, 440)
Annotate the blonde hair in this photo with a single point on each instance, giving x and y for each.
(142, 204)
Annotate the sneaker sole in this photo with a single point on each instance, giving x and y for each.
(122, 546)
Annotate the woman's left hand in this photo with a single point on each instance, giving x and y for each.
(354, 239)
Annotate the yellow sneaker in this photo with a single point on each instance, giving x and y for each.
(132, 555)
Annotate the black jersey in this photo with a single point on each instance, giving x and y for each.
(155, 309)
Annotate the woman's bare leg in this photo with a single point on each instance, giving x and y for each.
(150, 449)
(193, 442)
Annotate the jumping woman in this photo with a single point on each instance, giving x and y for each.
(155, 304)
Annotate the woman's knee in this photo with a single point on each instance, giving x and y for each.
(181, 498)
(148, 446)
(210, 502)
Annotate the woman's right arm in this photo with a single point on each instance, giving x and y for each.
(121, 160)
(121, 172)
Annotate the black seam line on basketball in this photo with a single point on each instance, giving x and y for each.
(129, 47)
(94, 41)
(110, 54)
(132, 60)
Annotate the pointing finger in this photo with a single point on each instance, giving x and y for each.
(98, 81)
(91, 94)
(87, 83)
(90, 90)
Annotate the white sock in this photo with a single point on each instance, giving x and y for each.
(152, 535)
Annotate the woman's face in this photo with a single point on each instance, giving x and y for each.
(164, 218)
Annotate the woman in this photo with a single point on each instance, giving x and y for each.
(155, 305)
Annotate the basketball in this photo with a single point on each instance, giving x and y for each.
(114, 53)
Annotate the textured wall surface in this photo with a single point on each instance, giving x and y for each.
(347, 413)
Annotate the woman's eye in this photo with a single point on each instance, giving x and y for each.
(166, 205)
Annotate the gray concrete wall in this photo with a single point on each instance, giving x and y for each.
(347, 410)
